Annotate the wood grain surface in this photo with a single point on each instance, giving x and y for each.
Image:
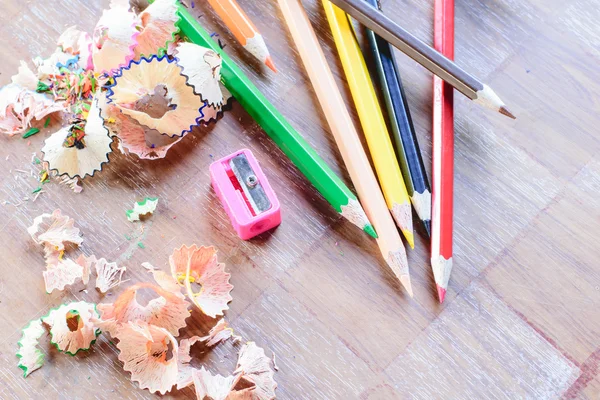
(521, 315)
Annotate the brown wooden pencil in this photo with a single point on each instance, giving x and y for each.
(347, 139)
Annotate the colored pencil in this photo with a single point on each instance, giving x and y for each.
(243, 29)
(372, 121)
(435, 62)
(275, 125)
(347, 139)
(403, 130)
(443, 153)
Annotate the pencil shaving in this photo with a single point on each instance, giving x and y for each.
(202, 67)
(52, 255)
(25, 77)
(147, 144)
(55, 230)
(184, 369)
(20, 106)
(108, 275)
(29, 354)
(199, 265)
(114, 39)
(73, 183)
(141, 208)
(71, 327)
(141, 80)
(76, 42)
(220, 332)
(86, 264)
(255, 367)
(64, 273)
(157, 27)
(150, 354)
(79, 151)
(214, 387)
(213, 113)
(169, 310)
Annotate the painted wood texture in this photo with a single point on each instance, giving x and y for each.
(520, 318)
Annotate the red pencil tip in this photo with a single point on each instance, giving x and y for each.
(441, 293)
(269, 63)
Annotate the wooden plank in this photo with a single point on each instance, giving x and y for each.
(314, 363)
(526, 216)
(558, 252)
(479, 348)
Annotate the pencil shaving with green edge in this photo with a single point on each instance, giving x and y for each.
(71, 327)
(29, 355)
(144, 207)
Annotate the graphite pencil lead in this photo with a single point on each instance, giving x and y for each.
(503, 110)
(427, 224)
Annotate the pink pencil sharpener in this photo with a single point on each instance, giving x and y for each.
(245, 194)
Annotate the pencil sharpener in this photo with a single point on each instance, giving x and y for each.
(245, 194)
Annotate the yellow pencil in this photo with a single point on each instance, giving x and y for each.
(347, 139)
(372, 121)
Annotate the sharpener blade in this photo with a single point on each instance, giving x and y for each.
(249, 183)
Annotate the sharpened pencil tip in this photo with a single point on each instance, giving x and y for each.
(405, 281)
(370, 230)
(441, 293)
(402, 214)
(427, 224)
(503, 110)
(269, 63)
(410, 238)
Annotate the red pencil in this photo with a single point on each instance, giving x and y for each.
(443, 153)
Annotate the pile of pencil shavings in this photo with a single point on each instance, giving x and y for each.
(145, 335)
(133, 79)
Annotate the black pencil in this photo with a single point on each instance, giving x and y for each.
(403, 131)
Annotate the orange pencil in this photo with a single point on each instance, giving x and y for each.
(243, 29)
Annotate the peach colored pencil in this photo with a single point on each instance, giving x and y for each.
(243, 29)
(347, 139)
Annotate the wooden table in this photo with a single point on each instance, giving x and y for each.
(521, 316)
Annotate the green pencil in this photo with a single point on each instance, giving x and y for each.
(275, 125)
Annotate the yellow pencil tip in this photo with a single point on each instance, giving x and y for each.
(269, 63)
(410, 238)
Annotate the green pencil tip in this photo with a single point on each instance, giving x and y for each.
(369, 229)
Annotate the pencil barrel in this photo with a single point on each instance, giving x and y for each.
(266, 115)
(402, 128)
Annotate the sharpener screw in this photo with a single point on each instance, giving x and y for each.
(251, 180)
